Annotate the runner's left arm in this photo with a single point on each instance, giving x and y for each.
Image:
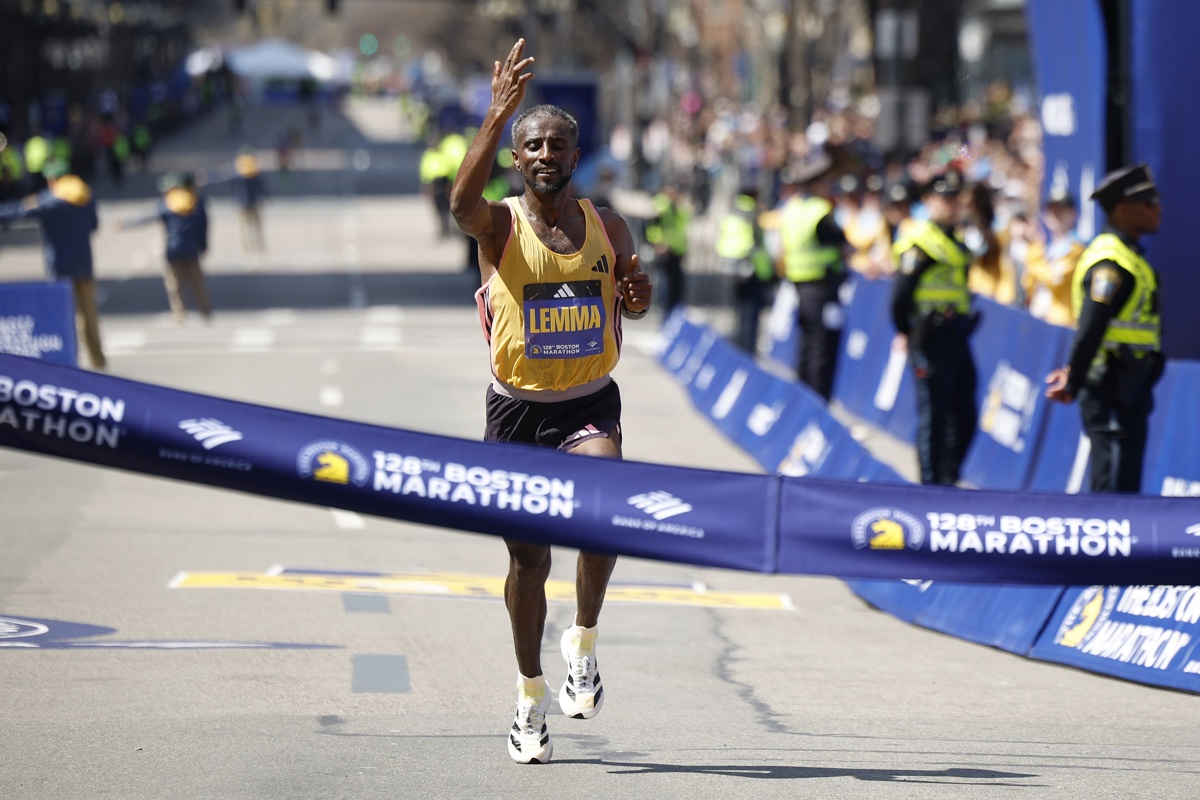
(632, 284)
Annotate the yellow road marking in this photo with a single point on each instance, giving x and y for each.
(475, 586)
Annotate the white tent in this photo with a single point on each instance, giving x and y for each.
(280, 59)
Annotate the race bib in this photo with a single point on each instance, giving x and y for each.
(564, 320)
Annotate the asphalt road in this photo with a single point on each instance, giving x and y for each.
(400, 688)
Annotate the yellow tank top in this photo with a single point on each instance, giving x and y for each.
(553, 321)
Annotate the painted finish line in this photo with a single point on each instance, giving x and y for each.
(453, 585)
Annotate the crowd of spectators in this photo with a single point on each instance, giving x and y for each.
(995, 143)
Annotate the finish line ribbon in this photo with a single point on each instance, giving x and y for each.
(753, 522)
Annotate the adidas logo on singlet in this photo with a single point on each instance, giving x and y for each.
(564, 291)
(601, 265)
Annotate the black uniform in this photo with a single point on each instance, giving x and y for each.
(819, 316)
(1115, 395)
(940, 354)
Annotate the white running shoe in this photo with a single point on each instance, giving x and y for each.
(582, 694)
(529, 741)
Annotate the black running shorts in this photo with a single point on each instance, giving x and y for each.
(560, 425)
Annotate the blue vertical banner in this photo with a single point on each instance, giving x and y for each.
(1172, 465)
(1165, 59)
(1071, 67)
(37, 320)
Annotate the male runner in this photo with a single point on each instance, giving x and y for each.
(542, 255)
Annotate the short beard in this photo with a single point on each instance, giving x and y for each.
(546, 187)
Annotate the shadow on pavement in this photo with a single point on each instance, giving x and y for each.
(956, 776)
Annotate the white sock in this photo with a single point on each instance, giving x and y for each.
(582, 639)
(531, 687)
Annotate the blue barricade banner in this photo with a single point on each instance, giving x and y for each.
(903, 599)
(37, 320)
(936, 533)
(1173, 445)
(1141, 633)
(1007, 617)
(782, 330)
(752, 522)
(676, 340)
(1023, 441)
(1014, 352)
(865, 350)
(652, 511)
(1062, 463)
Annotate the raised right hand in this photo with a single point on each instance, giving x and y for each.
(509, 79)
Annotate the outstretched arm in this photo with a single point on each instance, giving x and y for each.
(472, 212)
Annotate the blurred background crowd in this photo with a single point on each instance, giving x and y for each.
(686, 105)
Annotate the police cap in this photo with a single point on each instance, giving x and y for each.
(1061, 196)
(1128, 184)
(808, 171)
(948, 184)
(175, 180)
(898, 192)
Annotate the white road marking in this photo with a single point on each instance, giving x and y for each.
(384, 315)
(375, 338)
(124, 341)
(248, 340)
(280, 316)
(347, 520)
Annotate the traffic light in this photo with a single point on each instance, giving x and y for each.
(239, 6)
(331, 6)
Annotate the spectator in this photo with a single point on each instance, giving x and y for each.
(182, 212)
(1050, 265)
(668, 233)
(67, 214)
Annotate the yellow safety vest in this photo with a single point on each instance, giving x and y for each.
(1137, 325)
(735, 234)
(670, 227)
(736, 239)
(943, 285)
(432, 166)
(37, 153)
(804, 258)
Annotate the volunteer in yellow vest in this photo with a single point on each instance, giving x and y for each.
(931, 308)
(1116, 356)
(37, 153)
(667, 232)
(740, 247)
(12, 170)
(814, 251)
(435, 184)
(558, 275)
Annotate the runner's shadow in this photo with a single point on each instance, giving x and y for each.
(957, 776)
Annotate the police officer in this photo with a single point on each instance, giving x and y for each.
(1116, 356)
(668, 234)
(931, 308)
(740, 247)
(814, 250)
